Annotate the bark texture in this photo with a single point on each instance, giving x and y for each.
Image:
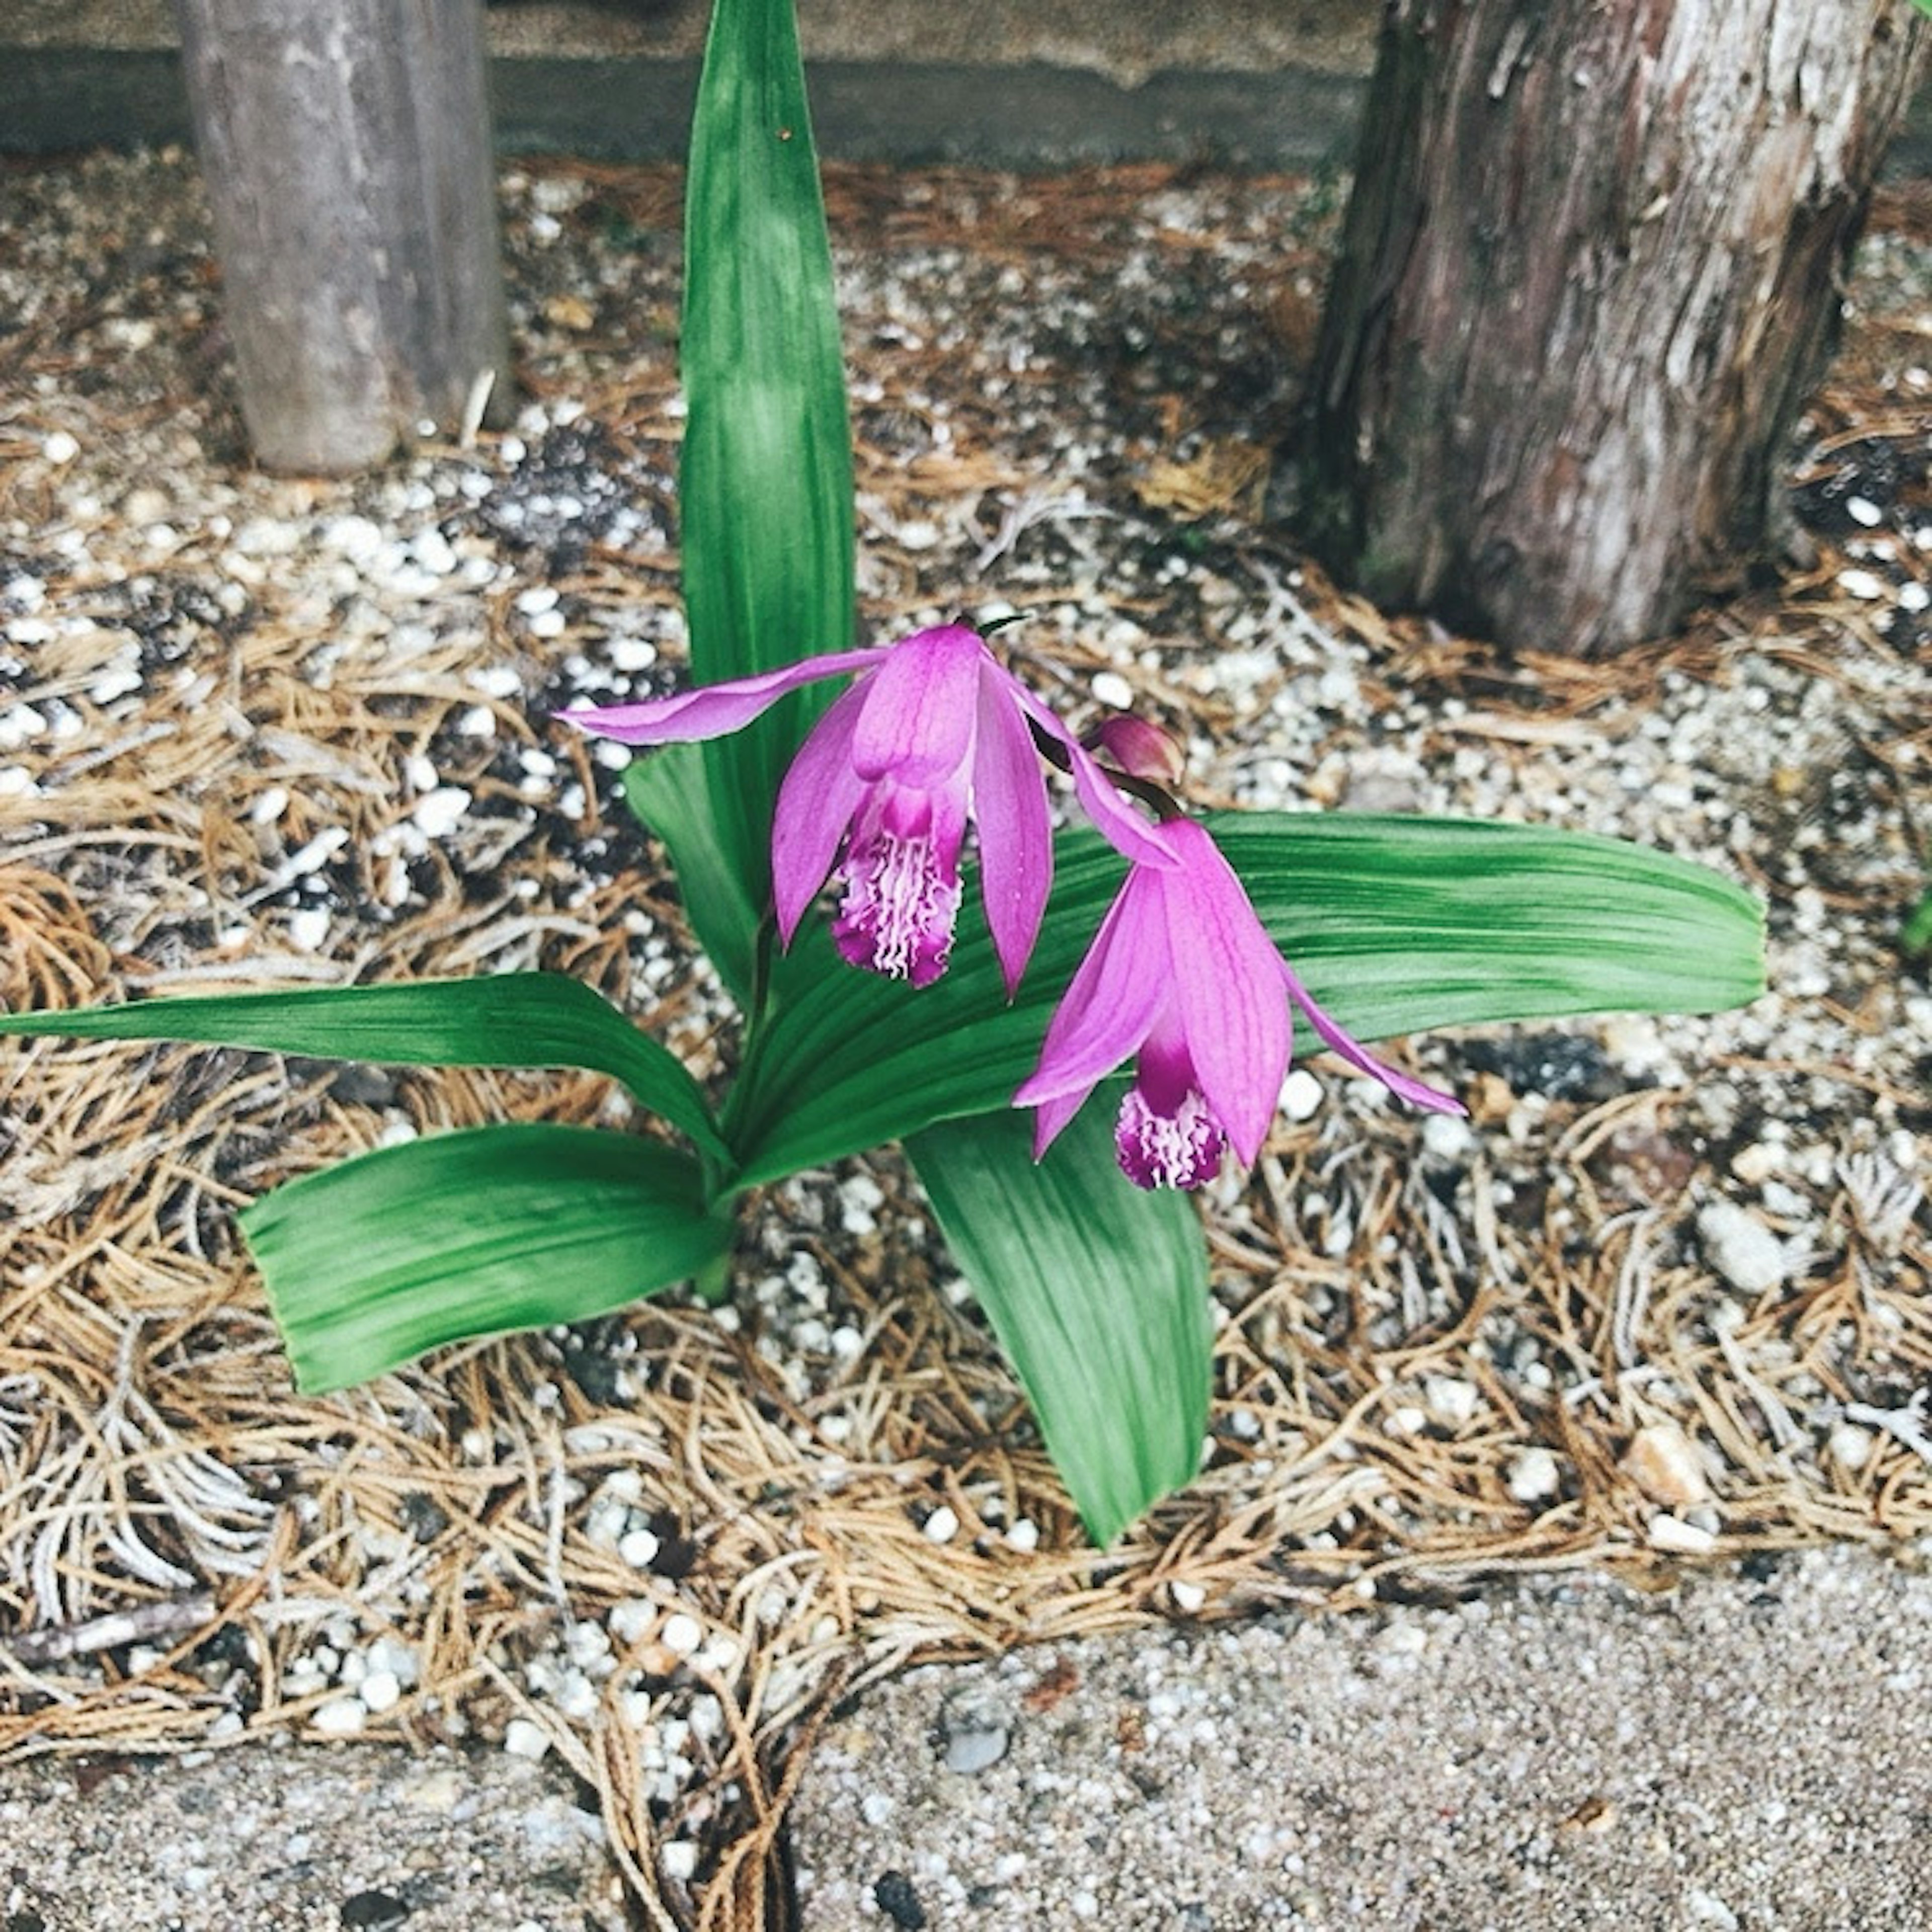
(346, 147)
(1589, 273)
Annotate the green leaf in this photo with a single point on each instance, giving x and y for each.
(1098, 1293)
(668, 792)
(1397, 925)
(504, 1019)
(765, 485)
(474, 1233)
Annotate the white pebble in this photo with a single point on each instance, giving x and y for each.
(682, 1635)
(1451, 1400)
(1024, 1535)
(59, 447)
(308, 929)
(1850, 1446)
(1665, 1464)
(1188, 1598)
(942, 1526)
(380, 1691)
(270, 806)
(339, 1717)
(638, 1548)
(1863, 510)
(1110, 688)
(523, 1739)
(1300, 1094)
(539, 598)
(478, 722)
(436, 813)
(1741, 1248)
(497, 681)
(1860, 583)
(1534, 1476)
(680, 1859)
(1672, 1533)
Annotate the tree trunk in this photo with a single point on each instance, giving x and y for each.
(346, 147)
(1589, 273)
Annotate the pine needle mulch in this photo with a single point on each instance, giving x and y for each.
(179, 1531)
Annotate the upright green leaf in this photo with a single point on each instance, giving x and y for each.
(1397, 925)
(765, 488)
(1098, 1293)
(502, 1019)
(372, 1261)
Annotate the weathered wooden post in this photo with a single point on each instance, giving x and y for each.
(346, 147)
(1590, 273)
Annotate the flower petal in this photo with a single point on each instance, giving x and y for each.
(920, 709)
(1016, 830)
(1109, 1005)
(1227, 987)
(1346, 1046)
(712, 710)
(816, 803)
(1117, 822)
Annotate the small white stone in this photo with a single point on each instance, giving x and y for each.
(1111, 688)
(478, 722)
(1850, 1446)
(379, 1691)
(339, 1717)
(539, 598)
(1188, 1598)
(548, 624)
(1664, 1463)
(1672, 1533)
(497, 681)
(523, 1739)
(638, 1548)
(1300, 1094)
(436, 814)
(1861, 583)
(59, 447)
(1756, 1164)
(679, 1860)
(269, 805)
(1447, 1137)
(682, 1635)
(632, 654)
(875, 1807)
(1863, 510)
(1024, 1535)
(1451, 1400)
(942, 1526)
(1741, 1248)
(1534, 1476)
(308, 929)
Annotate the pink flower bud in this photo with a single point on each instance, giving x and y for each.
(1138, 747)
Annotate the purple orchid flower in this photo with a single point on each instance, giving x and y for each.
(934, 734)
(1182, 973)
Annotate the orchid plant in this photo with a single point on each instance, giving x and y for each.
(1147, 936)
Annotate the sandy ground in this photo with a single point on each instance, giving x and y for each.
(1744, 1752)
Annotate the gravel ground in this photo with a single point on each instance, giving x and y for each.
(259, 1839)
(1663, 1296)
(1745, 1752)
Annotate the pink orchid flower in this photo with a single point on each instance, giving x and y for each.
(1182, 973)
(934, 734)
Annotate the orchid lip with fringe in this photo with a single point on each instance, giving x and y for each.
(1183, 976)
(934, 734)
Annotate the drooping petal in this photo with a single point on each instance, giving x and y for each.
(1345, 1046)
(920, 708)
(1107, 1010)
(1227, 989)
(712, 710)
(816, 803)
(1117, 821)
(1016, 830)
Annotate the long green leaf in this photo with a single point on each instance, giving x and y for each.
(765, 486)
(1398, 925)
(372, 1261)
(1098, 1293)
(503, 1019)
(668, 792)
